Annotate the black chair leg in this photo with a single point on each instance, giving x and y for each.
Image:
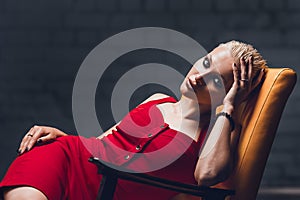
(107, 187)
(214, 197)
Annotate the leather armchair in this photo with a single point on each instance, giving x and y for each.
(260, 116)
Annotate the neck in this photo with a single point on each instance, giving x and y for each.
(191, 110)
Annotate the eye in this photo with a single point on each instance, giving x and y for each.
(217, 81)
(206, 63)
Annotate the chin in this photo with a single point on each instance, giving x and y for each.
(187, 92)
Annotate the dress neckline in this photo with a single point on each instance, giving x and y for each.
(173, 100)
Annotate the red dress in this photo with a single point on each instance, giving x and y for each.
(142, 142)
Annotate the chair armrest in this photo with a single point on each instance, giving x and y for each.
(201, 191)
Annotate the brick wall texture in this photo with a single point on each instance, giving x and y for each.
(43, 43)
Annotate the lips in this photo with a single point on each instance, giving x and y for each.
(196, 81)
(201, 82)
(189, 84)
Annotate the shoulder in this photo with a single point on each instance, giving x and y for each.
(155, 96)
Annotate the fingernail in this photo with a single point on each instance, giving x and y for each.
(39, 141)
(21, 151)
(18, 151)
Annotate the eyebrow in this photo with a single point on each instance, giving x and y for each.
(210, 60)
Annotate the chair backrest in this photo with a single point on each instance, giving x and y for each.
(260, 118)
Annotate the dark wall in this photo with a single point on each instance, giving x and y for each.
(43, 42)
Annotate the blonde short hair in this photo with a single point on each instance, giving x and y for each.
(242, 50)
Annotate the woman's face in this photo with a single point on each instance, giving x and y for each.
(210, 78)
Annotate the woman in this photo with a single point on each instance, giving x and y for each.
(54, 167)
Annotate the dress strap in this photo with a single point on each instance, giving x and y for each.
(162, 100)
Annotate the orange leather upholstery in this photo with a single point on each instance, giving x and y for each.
(260, 117)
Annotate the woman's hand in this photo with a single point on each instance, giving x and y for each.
(243, 84)
(38, 134)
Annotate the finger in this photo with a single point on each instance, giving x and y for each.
(243, 69)
(22, 141)
(29, 137)
(34, 138)
(243, 73)
(46, 138)
(236, 78)
(25, 140)
(250, 67)
(238, 75)
(235, 73)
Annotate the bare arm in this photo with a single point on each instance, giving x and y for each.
(41, 134)
(217, 158)
(216, 166)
